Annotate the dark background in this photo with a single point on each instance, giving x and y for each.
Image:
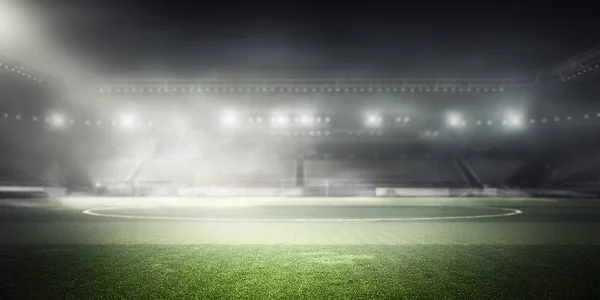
(181, 38)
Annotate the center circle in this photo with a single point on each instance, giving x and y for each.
(304, 213)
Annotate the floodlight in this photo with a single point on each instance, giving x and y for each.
(127, 121)
(56, 120)
(454, 119)
(306, 119)
(514, 120)
(373, 120)
(229, 119)
(280, 120)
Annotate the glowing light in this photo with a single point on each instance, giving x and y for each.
(229, 119)
(56, 120)
(280, 120)
(306, 119)
(373, 120)
(127, 121)
(8, 23)
(454, 119)
(514, 120)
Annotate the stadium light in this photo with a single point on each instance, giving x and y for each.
(128, 121)
(373, 120)
(229, 119)
(307, 120)
(454, 119)
(514, 120)
(280, 120)
(56, 120)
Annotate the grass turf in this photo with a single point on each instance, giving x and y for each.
(300, 272)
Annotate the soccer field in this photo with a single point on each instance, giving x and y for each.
(458, 248)
(300, 272)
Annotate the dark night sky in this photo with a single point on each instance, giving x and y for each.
(192, 37)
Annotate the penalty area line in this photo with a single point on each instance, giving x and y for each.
(97, 213)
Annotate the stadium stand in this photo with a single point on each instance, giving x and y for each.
(579, 169)
(112, 170)
(397, 172)
(491, 171)
(10, 174)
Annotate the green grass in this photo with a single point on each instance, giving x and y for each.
(300, 272)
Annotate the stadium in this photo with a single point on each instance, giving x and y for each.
(324, 185)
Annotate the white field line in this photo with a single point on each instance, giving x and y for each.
(99, 213)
